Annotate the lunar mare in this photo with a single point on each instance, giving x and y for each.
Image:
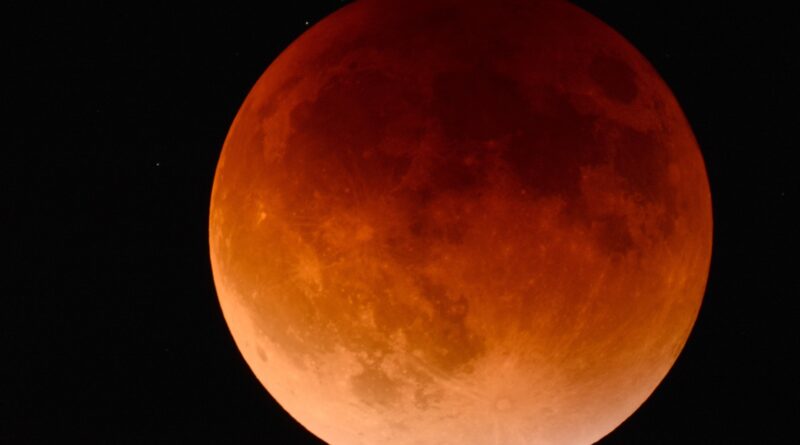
(457, 222)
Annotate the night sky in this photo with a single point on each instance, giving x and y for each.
(114, 334)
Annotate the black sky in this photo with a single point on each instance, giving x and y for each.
(111, 331)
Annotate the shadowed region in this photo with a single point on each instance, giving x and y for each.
(339, 137)
(478, 105)
(548, 152)
(613, 234)
(615, 78)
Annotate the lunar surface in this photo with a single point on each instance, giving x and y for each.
(460, 222)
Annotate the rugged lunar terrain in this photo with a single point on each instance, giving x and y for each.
(459, 222)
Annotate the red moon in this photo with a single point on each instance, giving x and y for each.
(452, 221)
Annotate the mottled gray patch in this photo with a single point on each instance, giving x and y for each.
(613, 235)
(448, 342)
(261, 354)
(374, 387)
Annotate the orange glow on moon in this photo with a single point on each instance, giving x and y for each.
(460, 222)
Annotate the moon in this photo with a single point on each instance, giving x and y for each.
(460, 222)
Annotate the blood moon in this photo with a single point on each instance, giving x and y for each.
(460, 222)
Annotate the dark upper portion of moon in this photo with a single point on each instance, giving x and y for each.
(487, 120)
